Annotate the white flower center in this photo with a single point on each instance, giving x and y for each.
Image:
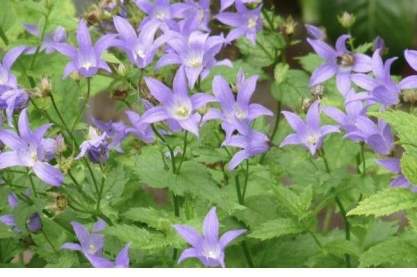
(87, 65)
(182, 112)
(239, 113)
(140, 53)
(92, 249)
(194, 61)
(252, 22)
(212, 253)
(161, 15)
(312, 140)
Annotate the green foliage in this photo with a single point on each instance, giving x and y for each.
(276, 228)
(386, 202)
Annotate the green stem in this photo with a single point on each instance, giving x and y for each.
(49, 241)
(61, 118)
(275, 128)
(316, 240)
(84, 105)
(245, 184)
(100, 195)
(78, 186)
(247, 254)
(32, 63)
(3, 36)
(184, 151)
(32, 184)
(363, 159)
(341, 208)
(238, 190)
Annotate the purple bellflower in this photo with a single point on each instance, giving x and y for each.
(91, 246)
(245, 22)
(394, 165)
(9, 219)
(141, 48)
(12, 97)
(308, 133)
(339, 62)
(59, 35)
(354, 109)
(177, 107)
(116, 132)
(382, 89)
(378, 136)
(195, 53)
(235, 111)
(86, 60)
(196, 15)
(30, 149)
(314, 32)
(96, 147)
(139, 128)
(160, 13)
(410, 82)
(207, 247)
(251, 143)
(224, 4)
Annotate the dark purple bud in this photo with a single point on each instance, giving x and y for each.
(98, 154)
(34, 223)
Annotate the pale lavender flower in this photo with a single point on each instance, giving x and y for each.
(224, 4)
(91, 246)
(339, 62)
(314, 32)
(141, 48)
(378, 135)
(59, 35)
(160, 13)
(354, 108)
(12, 97)
(382, 88)
(394, 166)
(245, 22)
(410, 82)
(9, 219)
(30, 149)
(207, 247)
(96, 147)
(177, 107)
(250, 142)
(195, 53)
(235, 111)
(139, 128)
(308, 133)
(116, 132)
(86, 60)
(196, 15)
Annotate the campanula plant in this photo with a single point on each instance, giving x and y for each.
(202, 133)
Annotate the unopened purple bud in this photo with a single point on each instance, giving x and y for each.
(98, 154)
(379, 43)
(34, 223)
(12, 200)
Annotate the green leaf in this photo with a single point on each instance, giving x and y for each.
(310, 62)
(386, 202)
(293, 89)
(158, 219)
(297, 205)
(409, 166)
(394, 252)
(280, 72)
(276, 228)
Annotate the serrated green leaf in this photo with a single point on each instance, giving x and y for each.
(386, 202)
(293, 89)
(276, 228)
(157, 219)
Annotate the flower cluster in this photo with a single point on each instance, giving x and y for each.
(364, 82)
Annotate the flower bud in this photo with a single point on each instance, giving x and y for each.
(61, 202)
(121, 70)
(346, 20)
(44, 88)
(409, 96)
(60, 144)
(34, 223)
(307, 103)
(65, 164)
(317, 91)
(288, 28)
(75, 76)
(94, 15)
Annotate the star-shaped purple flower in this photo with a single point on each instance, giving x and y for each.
(96, 147)
(86, 60)
(245, 22)
(59, 35)
(339, 62)
(235, 111)
(382, 89)
(195, 53)
(224, 4)
(141, 48)
(377, 135)
(139, 128)
(394, 165)
(160, 13)
(178, 108)
(250, 142)
(91, 246)
(30, 149)
(410, 82)
(308, 133)
(207, 247)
